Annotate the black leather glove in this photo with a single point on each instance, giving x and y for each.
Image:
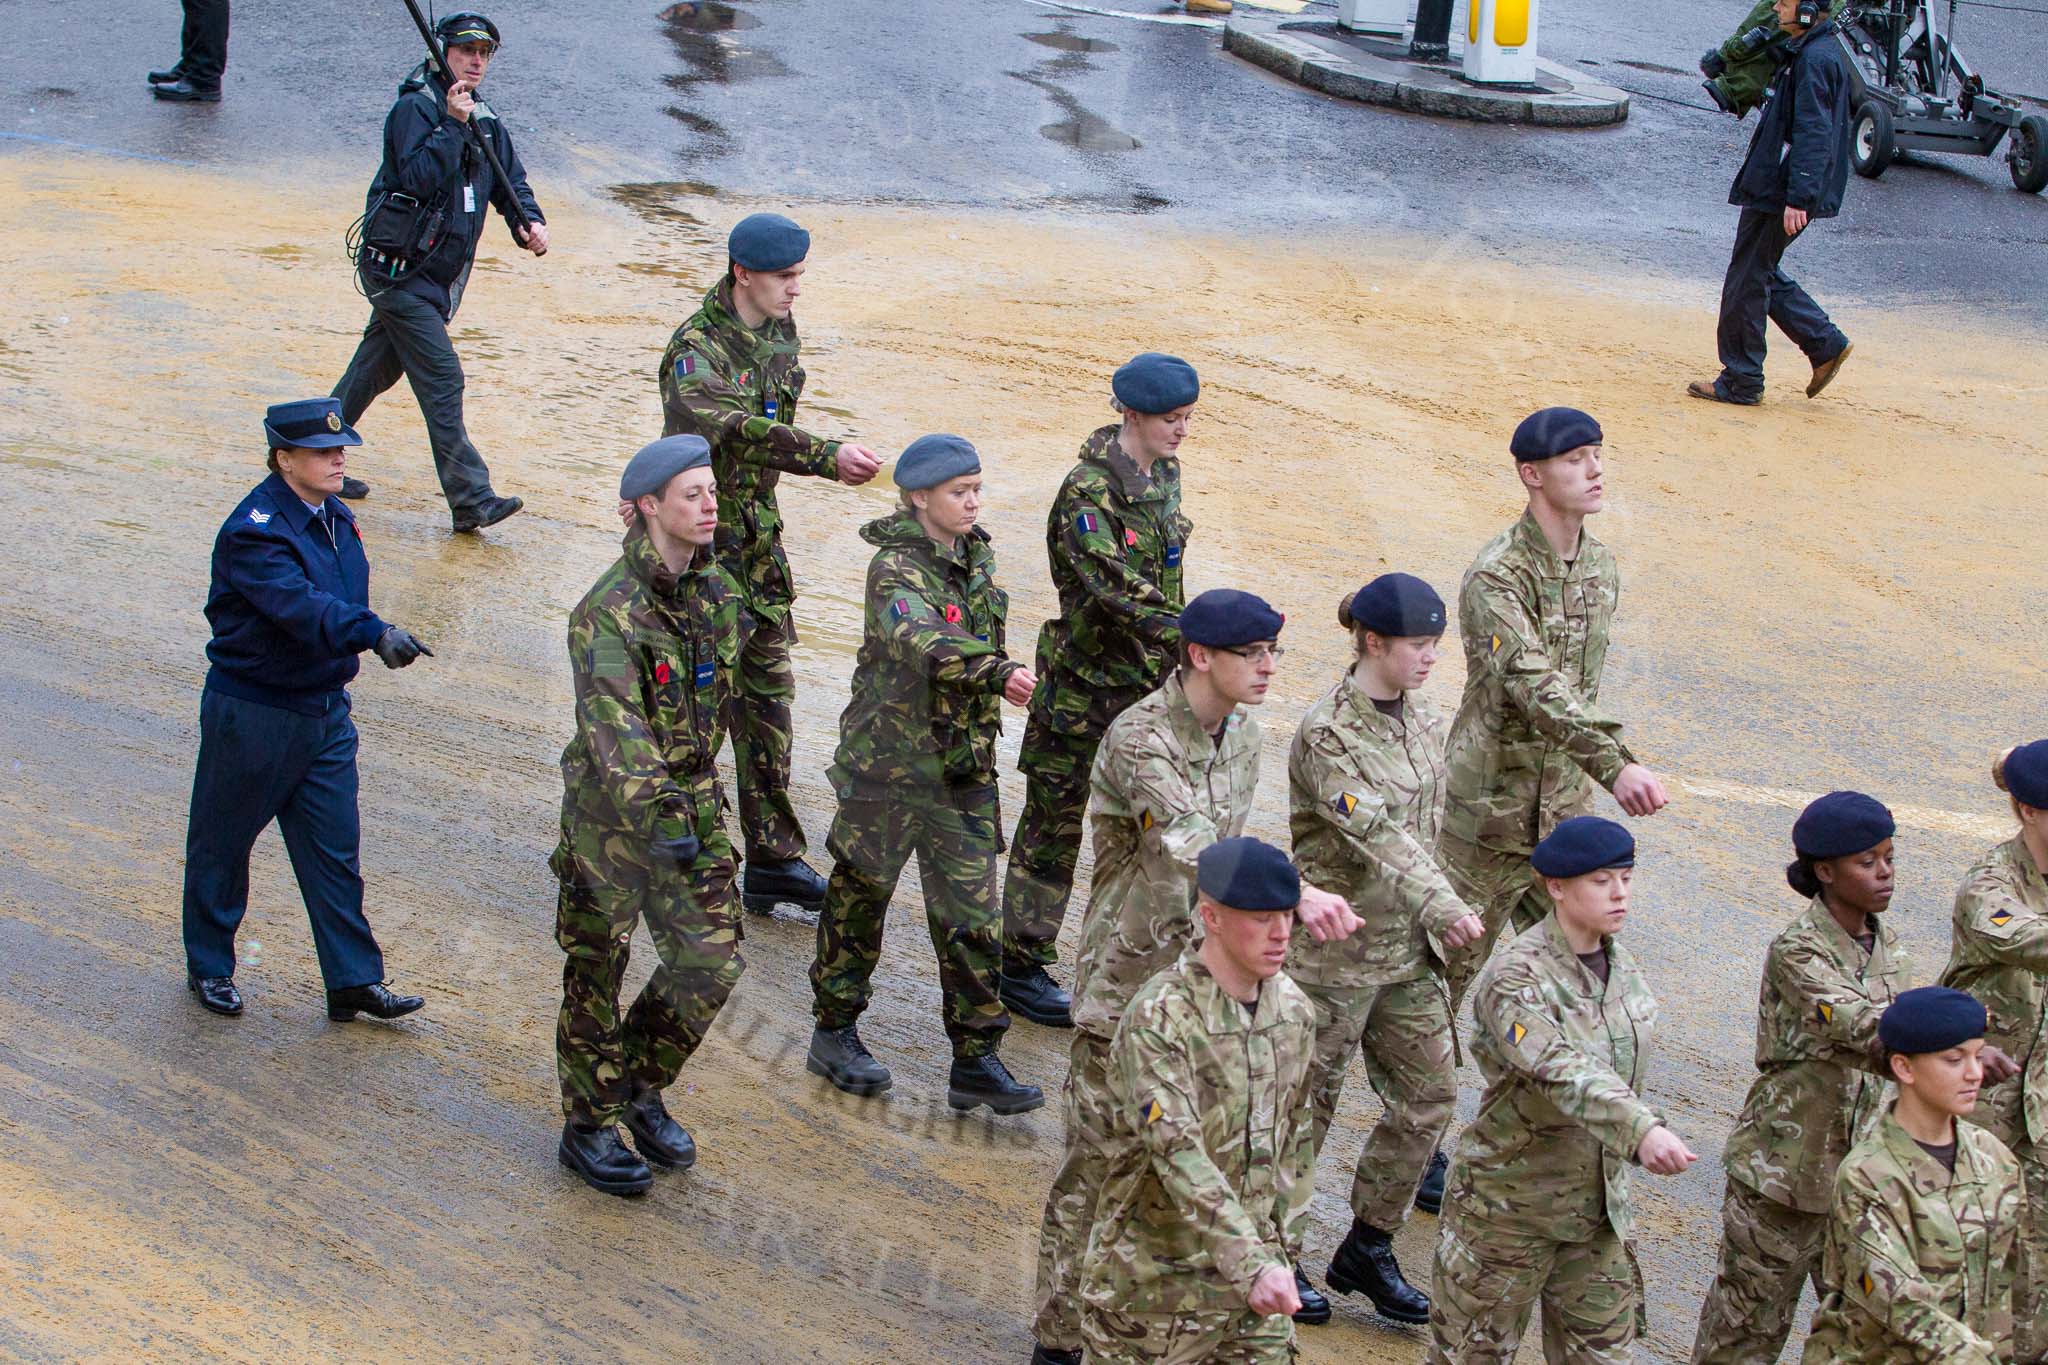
(397, 647)
(1713, 64)
(680, 851)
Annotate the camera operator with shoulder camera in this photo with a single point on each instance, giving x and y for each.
(420, 232)
(1795, 172)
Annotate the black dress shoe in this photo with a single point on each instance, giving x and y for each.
(842, 1058)
(353, 489)
(373, 1000)
(182, 91)
(1365, 1264)
(489, 512)
(985, 1080)
(1315, 1309)
(1046, 1355)
(770, 881)
(169, 76)
(604, 1162)
(217, 993)
(662, 1140)
(1033, 993)
(1429, 1195)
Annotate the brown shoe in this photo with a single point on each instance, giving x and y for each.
(1704, 388)
(1824, 373)
(1207, 6)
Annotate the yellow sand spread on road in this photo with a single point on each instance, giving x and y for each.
(1817, 594)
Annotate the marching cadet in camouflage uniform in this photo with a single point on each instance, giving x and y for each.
(1920, 1247)
(1209, 1159)
(1538, 1202)
(1534, 612)
(1365, 786)
(651, 651)
(1115, 537)
(1174, 774)
(2000, 955)
(730, 375)
(1828, 977)
(916, 772)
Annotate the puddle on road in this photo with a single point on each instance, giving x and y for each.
(707, 16)
(654, 201)
(1070, 42)
(1090, 134)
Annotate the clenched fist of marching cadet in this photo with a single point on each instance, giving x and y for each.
(857, 464)
(1662, 1153)
(1273, 1293)
(1640, 791)
(1018, 687)
(1325, 916)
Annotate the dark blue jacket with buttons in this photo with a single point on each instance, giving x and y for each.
(290, 601)
(1800, 154)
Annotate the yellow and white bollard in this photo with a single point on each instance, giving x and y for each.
(1388, 17)
(1500, 42)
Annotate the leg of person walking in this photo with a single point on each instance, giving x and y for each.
(419, 338)
(1745, 304)
(323, 833)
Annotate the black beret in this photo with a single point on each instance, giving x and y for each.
(1582, 844)
(929, 461)
(767, 241)
(1222, 618)
(1547, 434)
(1930, 1019)
(1152, 382)
(1841, 823)
(2026, 774)
(1398, 604)
(1247, 874)
(649, 471)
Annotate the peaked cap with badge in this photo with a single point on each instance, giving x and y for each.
(308, 424)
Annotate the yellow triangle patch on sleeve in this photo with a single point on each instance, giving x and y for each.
(1517, 1032)
(2002, 918)
(1825, 1011)
(1144, 821)
(1153, 1113)
(1496, 644)
(1869, 1285)
(1345, 803)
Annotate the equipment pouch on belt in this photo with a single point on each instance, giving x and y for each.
(399, 232)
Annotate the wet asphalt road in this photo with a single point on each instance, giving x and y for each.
(1023, 103)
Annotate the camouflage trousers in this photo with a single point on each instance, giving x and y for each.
(2030, 1285)
(1768, 1251)
(1040, 878)
(1489, 1278)
(1403, 1030)
(1116, 1338)
(1500, 887)
(1089, 1110)
(757, 717)
(607, 886)
(955, 835)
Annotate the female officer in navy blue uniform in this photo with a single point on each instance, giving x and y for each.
(290, 611)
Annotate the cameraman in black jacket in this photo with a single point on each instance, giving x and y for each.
(434, 186)
(1796, 170)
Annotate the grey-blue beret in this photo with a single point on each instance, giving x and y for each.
(767, 241)
(649, 471)
(1153, 382)
(929, 461)
(1244, 873)
(1582, 844)
(1547, 434)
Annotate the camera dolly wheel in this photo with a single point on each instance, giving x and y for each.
(2026, 156)
(1871, 144)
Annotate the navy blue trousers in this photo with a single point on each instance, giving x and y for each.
(203, 46)
(261, 763)
(1756, 290)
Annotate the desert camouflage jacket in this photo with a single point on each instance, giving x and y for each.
(1210, 1163)
(1822, 1081)
(1919, 1261)
(1529, 738)
(2000, 955)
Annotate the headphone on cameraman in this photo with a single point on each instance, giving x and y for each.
(1809, 13)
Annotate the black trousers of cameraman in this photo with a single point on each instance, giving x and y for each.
(1755, 291)
(203, 45)
(407, 336)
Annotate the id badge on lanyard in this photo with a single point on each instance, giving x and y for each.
(469, 199)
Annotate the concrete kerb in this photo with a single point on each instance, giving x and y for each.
(1318, 56)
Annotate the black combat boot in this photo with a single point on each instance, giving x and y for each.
(170, 75)
(1029, 990)
(604, 1162)
(1315, 1309)
(842, 1058)
(1365, 1265)
(1046, 1355)
(1429, 1195)
(771, 881)
(985, 1080)
(373, 1000)
(662, 1140)
(489, 512)
(183, 91)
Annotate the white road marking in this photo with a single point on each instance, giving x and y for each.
(1181, 20)
(1987, 828)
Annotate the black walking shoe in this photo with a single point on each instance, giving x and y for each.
(182, 91)
(168, 76)
(985, 1080)
(842, 1058)
(1365, 1264)
(604, 1162)
(373, 1000)
(217, 993)
(1429, 1195)
(662, 1140)
(489, 512)
(771, 881)
(1033, 993)
(354, 489)
(1046, 1355)
(1315, 1309)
